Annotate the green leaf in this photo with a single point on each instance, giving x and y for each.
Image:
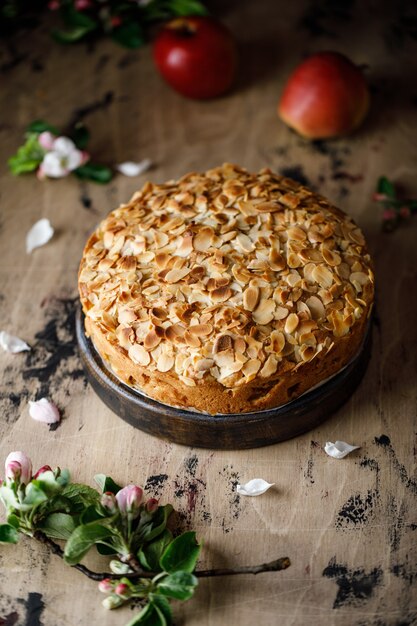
(129, 35)
(150, 615)
(8, 534)
(58, 525)
(105, 550)
(92, 514)
(13, 520)
(163, 605)
(28, 157)
(39, 126)
(34, 495)
(106, 483)
(80, 136)
(181, 554)
(179, 585)
(386, 187)
(82, 539)
(95, 172)
(156, 525)
(80, 496)
(150, 553)
(187, 7)
(78, 26)
(72, 35)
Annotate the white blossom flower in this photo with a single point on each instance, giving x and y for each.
(63, 158)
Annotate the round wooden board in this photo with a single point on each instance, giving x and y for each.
(226, 432)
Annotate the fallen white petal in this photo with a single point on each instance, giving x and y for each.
(39, 235)
(130, 168)
(44, 411)
(12, 344)
(255, 487)
(339, 449)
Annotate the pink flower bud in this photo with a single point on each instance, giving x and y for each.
(388, 214)
(106, 585)
(121, 589)
(405, 212)
(129, 499)
(46, 140)
(18, 466)
(108, 501)
(41, 470)
(115, 21)
(82, 5)
(53, 5)
(379, 197)
(151, 505)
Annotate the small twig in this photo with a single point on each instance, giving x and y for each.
(272, 566)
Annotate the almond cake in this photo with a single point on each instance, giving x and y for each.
(226, 291)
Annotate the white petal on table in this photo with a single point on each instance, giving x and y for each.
(339, 449)
(44, 411)
(130, 168)
(11, 343)
(255, 487)
(39, 235)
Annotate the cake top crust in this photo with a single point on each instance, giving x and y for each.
(226, 274)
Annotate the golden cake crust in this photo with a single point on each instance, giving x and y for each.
(226, 291)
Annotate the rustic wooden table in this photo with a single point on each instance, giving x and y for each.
(348, 526)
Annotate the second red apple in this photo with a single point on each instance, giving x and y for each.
(196, 56)
(324, 97)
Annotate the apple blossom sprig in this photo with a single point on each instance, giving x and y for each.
(126, 23)
(395, 208)
(53, 155)
(147, 563)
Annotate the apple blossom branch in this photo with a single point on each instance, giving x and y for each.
(272, 566)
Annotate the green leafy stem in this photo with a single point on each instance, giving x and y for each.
(395, 208)
(272, 566)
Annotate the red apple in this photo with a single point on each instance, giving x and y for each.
(325, 96)
(196, 56)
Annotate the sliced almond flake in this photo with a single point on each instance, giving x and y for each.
(255, 487)
(201, 329)
(165, 362)
(251, 367)
(269, 368)
(175, 275)
(251, 297)
(139, 355)
(245, 243)
(330, 256)
(339, 449)
(11, 343)
(265, 312)
(126, 316)
(316, 307)
(40, 233)
(323, 276)
(277, 341)
(44, 411)
(291, 323)
(134, 168)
